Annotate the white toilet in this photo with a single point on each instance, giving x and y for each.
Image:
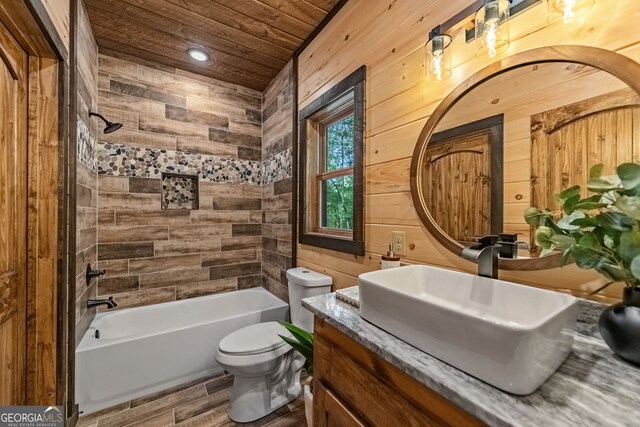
(266, 369)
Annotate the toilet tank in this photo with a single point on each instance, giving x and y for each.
(305, 283)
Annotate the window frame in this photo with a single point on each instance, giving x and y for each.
(345, 98)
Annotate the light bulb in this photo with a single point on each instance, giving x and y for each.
(438, 58)
(436, 65)
(491, 40)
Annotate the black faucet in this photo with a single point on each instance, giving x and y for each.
(110, 303)
(486, 252)
(91, 273)
(509, 245)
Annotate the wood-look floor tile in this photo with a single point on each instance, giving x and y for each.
(89, 420)
(143, 412)
(200, 406)
(215, 417)
(218, 384)
(294, 419)
(155, 396)
(164, 419)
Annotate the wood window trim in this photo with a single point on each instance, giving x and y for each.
(338, 240)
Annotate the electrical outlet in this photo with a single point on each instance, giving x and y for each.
(399, 240)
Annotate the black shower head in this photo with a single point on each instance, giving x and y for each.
(110, 126)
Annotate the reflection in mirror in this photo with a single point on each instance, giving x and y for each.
(519, 137)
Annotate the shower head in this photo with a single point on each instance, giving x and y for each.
(110, 126)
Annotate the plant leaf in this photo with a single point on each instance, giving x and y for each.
(630, 206)
(565, 222)
(568, 193)
(629, 246)
(596, 170)
(304, 337)
(589, 241)
(629, 174)
(635, 267)
(543, 237)
(615, 221)
(601, 288)
(563, 241)
(603, 184)
(305, 351)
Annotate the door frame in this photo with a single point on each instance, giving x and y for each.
(47, 210)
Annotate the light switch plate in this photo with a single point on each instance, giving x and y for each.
(399, 240)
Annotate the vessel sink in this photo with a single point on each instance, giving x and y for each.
(508, 335)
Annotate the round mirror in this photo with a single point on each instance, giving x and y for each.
(516, 133)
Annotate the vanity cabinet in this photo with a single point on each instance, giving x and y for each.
(355, 387)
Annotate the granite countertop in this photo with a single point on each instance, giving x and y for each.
(591, 388)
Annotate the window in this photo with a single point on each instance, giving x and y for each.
(331, 165)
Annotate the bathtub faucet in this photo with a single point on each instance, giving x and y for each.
(110, 303)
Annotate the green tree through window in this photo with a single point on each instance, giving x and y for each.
(338, 192)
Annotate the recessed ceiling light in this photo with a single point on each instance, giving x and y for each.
(198, 54)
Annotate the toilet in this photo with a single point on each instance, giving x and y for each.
(267, 370)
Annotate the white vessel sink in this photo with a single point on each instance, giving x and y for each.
(508, 335)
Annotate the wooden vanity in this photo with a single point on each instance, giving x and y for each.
(355, 387)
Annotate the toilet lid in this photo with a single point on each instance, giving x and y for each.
(254, 339)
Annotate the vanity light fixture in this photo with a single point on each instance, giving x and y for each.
(568, 10)
(492, 28)
(198, 54)
(437, 57)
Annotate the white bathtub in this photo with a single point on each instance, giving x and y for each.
(147, 349)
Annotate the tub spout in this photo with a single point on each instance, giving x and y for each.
(110, 303)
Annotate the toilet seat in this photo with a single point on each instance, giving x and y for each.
(254, 339)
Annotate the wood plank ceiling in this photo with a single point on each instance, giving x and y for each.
(249, 41)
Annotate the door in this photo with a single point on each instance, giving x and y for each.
(13, 217)
(463, 176)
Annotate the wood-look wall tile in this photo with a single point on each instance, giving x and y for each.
(277, 231)
(269, 244)
(152, 217)
(236, 203)
(191, 232)
(245, 153)
(112, 251)
(245, 127)
(117, 67)
(106, 217)
(274, 259)
(254, 116)
(247, 282)
(86, 197)
(114, 268)
(234, 97)
(144, 90)
(84, 257)
(113, 184)
(206, 288)
(172, 82)
(238, 243)
(284, 248)
(115, 285)
(234, 138)
(163, 264)
(255, 217)
(276, 203)
(177, 277)
(246, 230)
(276, 217)
(283, 186)
(230, 190)
(145, 185)
(230, 257)
(140, 139)
(184, 247)
(86, 238)
(197, 117)
(235, 270)
(219, 217)
(123, 234)
(132, 104)
(86, 177)
(173, 127)
(137, 299)
(129, 120)
(204, 146)
(124, 201)
(86, 217)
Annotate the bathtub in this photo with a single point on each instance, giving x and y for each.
(148, 349)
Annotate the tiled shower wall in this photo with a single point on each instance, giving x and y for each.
(177, 122)
(277, 216)
(86, 177)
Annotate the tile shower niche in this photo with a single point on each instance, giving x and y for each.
(179, 191)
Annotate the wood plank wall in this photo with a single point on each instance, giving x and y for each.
(153, 255)
(277, 197)
(86, 176)
(59, 12)
(388, 36)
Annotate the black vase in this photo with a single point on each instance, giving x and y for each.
(620, 326)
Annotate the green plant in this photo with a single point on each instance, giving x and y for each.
(600, 232)
(302, 342)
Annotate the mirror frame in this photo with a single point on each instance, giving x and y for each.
(619, 66)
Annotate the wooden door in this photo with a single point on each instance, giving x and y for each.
(13, 217)
(567, 141)
(458, 180)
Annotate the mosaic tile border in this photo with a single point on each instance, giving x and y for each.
(278, 167)
(85, 145)
(126, 160)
